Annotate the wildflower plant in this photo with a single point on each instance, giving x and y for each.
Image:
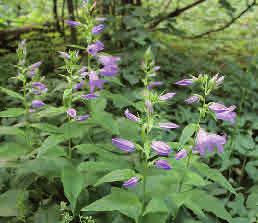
(167, 177)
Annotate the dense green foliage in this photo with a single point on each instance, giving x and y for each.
(40, 183)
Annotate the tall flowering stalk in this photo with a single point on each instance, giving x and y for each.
(33, 88)
(84, 80)
(205, 141)
(152, 152)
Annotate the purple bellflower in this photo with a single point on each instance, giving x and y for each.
(132, 182)
(167, 96)
(38, 88)
(64, 55)
(90, 96)
(207, 141)
(131, 116)
(94, 48)
(161, 148)
(95, 82)
(82, 118)
(37, 104)
(108, 60)
(109, 71)
(72, 23)
(181, 154)
(168, 125)
(71, 112)
(123, 144)
(163, 164)
(222, 112)
(192, 99)
(98, 29)
(155, 84)
(185, 82)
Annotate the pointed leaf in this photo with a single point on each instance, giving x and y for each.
(11, 93)
(156, 205)
(187, 133)
(12, 113)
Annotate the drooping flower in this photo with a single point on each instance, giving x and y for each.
(71, 112)
(94, 48)
(37, 104)
(185, 82)
(149, 106)
(222, 112)
(109, 71)
(64, 55)
(181, 154)
(82, 118)
(82, 70)
(79, 85)
(161, 148)
(166, 96)
(168, 125)
(108, 60)
(163, 164)
(157, 68)
(218, 80)
(38, 88)
(131, 116)
(98, 29)
(132, 182)
(90, 96)
(207, 141)
(192, 99)
(154, 84)
(72, 23)
(123, 144)
(35, 65)
(95, 82)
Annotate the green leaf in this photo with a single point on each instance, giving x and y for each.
(155, 218)
(73, 183)
(116, 175)
(210, 204)
(45, 127)
(99, 166)
(9, 130)
(50, 142)
(156, 205)
(214, 175)
(9, 202)
(11, 151)
(12, 113)
(48, 215)
(119, 200)
(187, 133)
(11, 93)
(51, 112)
(252, 201)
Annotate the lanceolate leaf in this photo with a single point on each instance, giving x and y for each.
(73, 182)
(11, 93)
(156, 205)
(9, 130)
(12, 113)
(116, 175)
(119, 200)
(187, 133)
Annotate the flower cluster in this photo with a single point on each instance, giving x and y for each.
(150, 148)
(99, 66)
(208, 141)
(33, 88)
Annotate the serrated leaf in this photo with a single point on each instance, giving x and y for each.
(73, 183)
(11, 93)
(12, 113)
(187, 133)
(116, 175)
(119, 200)
(10, 130)
(214, 175)
(156, 205)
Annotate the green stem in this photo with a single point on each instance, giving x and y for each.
(26, 114)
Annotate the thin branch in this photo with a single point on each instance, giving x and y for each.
(175, 13)
(225, 25)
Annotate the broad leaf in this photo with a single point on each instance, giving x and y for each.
(119, 200)
(73, 182)
(116, 175)
(12, 113)
(187, 133)
(11, 151)
(11, 93)
(156, 205)
(9, 130)
(48, 215)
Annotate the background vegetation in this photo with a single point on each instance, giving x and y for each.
(188, 37)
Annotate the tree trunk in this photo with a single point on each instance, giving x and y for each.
(56, 18)
(70, 8)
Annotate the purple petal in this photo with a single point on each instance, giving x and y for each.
(192, 99)
(64, 55)
(98, 29)
(168, 125)
(163, 164)
(185, 82)
(37, 104)
(166, 96)
(161, 148)
(155, 84)
(109, 71)
(71, 112)
(181, 154)
(82, 118)
(72, 23)
(131, 116)
(90, 96)
(123, 144)
(94, 48)
(132, 182)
